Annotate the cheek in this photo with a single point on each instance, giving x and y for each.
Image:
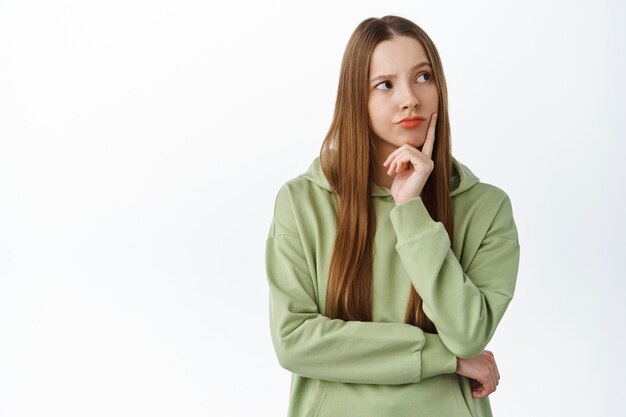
(373, 114)
(435, 98)
(377, 113)
(377, 122)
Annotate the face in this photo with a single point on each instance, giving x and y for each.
(401, 85)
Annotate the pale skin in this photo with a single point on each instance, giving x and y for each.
(408, 167)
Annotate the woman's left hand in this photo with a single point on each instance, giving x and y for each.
(411, 166)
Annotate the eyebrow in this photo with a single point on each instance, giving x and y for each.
(378, 77)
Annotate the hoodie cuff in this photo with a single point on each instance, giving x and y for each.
(410, 218)
(436, 358)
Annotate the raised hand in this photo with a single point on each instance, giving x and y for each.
(411, 167)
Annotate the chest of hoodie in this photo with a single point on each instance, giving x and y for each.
(391, 285)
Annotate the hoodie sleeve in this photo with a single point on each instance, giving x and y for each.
(315, 346)
(465, 306)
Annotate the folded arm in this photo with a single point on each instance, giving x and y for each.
(465, 306)
(315, 346)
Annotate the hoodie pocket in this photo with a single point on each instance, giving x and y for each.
(455, 386)
(319, 397)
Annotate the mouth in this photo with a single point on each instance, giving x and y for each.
(410, 123)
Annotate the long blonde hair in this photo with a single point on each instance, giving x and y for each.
(346, 157)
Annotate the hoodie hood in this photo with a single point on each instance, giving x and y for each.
(462, 179)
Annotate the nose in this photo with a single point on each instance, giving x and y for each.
(409, 98)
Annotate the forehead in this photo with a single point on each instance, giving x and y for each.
(399, 53)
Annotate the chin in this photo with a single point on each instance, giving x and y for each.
(415, 142)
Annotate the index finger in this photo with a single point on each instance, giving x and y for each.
(427, 149)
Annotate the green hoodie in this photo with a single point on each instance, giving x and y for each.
(386, 368)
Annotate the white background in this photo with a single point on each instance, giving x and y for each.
(142, 144)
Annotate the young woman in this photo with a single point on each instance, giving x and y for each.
(389, 263)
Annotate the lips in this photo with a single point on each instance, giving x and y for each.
(411, 122)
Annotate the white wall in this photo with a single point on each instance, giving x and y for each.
(142, 144)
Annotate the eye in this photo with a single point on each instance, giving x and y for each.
(427, 74)
(383, 83)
